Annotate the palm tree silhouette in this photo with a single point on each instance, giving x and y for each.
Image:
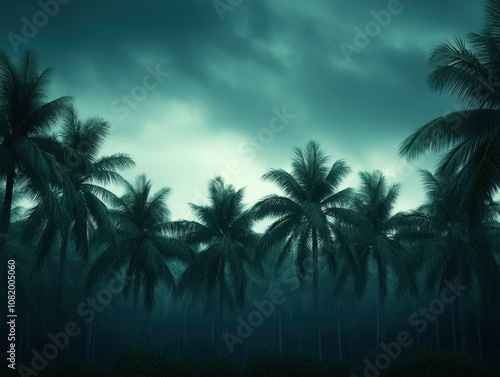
(303, 216)
(140, 245)
(470, 138)
(25, 119)
(375, 201)
(79, 211)
(452, 250)
(224, 236)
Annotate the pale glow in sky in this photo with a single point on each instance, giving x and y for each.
(226, 78)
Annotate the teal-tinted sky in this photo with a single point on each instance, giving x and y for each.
(223, 72)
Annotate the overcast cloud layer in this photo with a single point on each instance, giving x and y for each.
(214, 77)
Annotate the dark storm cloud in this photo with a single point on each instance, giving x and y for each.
(226, 77)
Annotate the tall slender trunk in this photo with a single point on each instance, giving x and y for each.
(135, 304)
(436, 328)
(418, 337)
(280, 340)
(350, 348)
(461, 302)
(339, 335)
(220, 318)
(243, 353)
(28, 326)
(184, 330)
(150, 337)
(122, 329)
(88, 343)
(377, 343)
(275, 340)
(5, 220)
(479, 338)
(453, 326)
(213, 330)
(94, 342)
(350, 339)
(316, 331)
(60, 281)
(383, 321)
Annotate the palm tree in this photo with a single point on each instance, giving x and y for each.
(305, 216)
(25, 119)
(225, 239)
(79, 210)
(375, 201)
(467, 68)
(452, 249)
(139, 244)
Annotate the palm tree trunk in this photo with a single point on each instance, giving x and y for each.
(220, 318)
(350, 349)
(436, 328)
(178, 345)
(135, 304)
(150, 337)
(339, 336)
(243, 353)
(381, 316)
(122, 329)
(94, 342)
(377, 344)
(184, 330)
(418, 337)
(279, 333)
(60, 281)
(453, 326)
(479, 339)
(5, 220)
(316, 332)
(213, 331)
(88, 346)
(461, 304)
(28, 325)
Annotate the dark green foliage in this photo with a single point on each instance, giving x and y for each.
(271, 364)
(137, 363)
(159, 363)
(265, 364)
(70, 367)
(430, 362)
(218, 367)
(303, 364)
(337, 368)
(133, 362)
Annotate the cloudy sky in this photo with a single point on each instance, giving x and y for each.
(195, 88)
